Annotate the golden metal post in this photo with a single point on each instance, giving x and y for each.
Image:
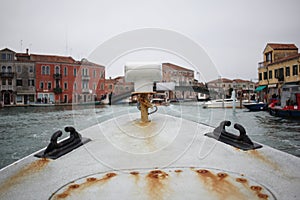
(145, 104)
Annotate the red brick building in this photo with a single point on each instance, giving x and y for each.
(61, 79)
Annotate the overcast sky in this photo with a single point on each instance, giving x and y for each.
(232, 32)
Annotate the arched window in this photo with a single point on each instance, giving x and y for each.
(43, 70)
(47, 70)
(9, 69)
(57, 70)
(3, 69)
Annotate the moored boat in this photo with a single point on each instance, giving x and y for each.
(256, 106)
(221, 103)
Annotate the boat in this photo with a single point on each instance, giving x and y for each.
(256, 106)
(203, 97)
(157, 156)
(40, 104)
(289, 103)
(221, 103)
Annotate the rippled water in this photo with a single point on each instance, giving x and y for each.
(24, 130)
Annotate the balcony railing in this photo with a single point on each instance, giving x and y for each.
(8, 87)
(57, 76)
(85, 90)
(7, 74)
(85, 77)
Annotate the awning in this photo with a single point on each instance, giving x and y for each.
(260, 88)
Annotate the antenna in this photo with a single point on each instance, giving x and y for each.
(66, 40)
(21, 45)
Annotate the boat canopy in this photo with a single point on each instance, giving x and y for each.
(260, 88)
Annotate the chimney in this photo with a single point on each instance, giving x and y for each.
(27, 50)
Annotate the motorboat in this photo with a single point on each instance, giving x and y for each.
(256, 106)
(221, 103)
(157, 156)
(289, 103)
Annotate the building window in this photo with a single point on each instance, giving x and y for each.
(30, 82)
(66, 85)
(295, 70)
(3, 82)
(57, 70)
(48, 70)
(30, 70)
(3, 56)
(9, 69)
(270, 74)
(9, 81)
(94, 73)
(94, 86)
(75, 86)
(19, 82)
(43, 70)
(265, 75)
(75, 72)
(41, 85)
(65, 71)
(9, 56)
(19, 69)
(49, 85)
(102, 86)
(276, 73)
(3, 69)
(287, 71)
(269, 57)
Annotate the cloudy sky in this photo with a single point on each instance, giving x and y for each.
(233, 33)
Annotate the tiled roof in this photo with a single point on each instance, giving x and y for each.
(277, 46)
(84, 61)
(286, 59)
(51, 58)
(176, 67)
(7, 49)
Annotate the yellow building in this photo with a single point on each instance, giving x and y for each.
(281, 65)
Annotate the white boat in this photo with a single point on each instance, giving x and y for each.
(37, 104)
(221, 103)
(128, 157)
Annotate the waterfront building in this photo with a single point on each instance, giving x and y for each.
(17, 79)
(223, 87)
(32, 78)
(177, 79)
(280, 66)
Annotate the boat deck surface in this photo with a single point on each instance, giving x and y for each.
(168, 158)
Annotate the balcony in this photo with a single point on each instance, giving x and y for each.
(57, 76)
(7, 75)
(263, 64)
(8, 87)
(57, 90)
(85, 77)
(85, 90)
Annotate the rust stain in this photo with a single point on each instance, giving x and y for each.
(81, 187)
(263, 196)
(27, 170)
(136, 176)
(156, 184)
(258, 190)
(241, 180)
(263, 158)
(134, 173)
(178, 170)
(219, 184)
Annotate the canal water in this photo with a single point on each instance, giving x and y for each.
(24, 130)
